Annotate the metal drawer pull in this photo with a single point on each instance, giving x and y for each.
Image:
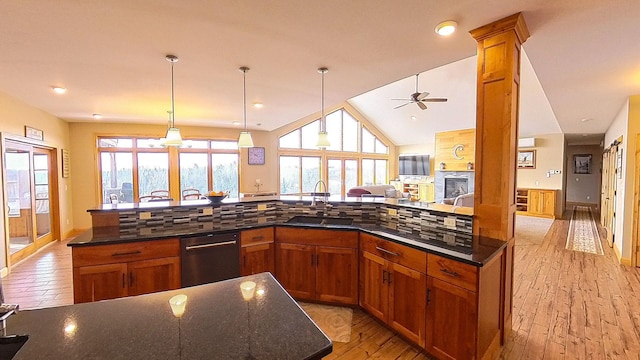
(450, 273)
(127, 253)
(258, 237)
(387, 251)
(194, 247)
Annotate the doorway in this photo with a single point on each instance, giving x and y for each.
(610, 159)
(31, 198)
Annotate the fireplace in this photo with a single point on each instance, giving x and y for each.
(455, 186)
(449, 184)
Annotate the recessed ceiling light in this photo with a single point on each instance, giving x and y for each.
(446, 28)
(585, 119)
(413, 117)
(97, 116)
(258, 105)
(235, 122)
(58, 89)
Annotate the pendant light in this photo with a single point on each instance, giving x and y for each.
(245, 141)
(173, 137)
(323, 137)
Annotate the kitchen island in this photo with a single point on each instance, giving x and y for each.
(218, 322)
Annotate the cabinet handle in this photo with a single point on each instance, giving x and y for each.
(384, 276)
(450, 273)
(428, 296)
(387, 251)
(203, 246)
(258, 237)
(127, 253)
(123, 280)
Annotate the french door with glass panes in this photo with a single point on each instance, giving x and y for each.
(31, 183)
(342, 175)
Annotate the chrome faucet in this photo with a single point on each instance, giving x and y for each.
(325, 197)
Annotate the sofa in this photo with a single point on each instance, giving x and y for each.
(374, 191)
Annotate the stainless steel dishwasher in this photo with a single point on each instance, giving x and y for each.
(209, 258)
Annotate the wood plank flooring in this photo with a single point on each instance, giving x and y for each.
(567, 304)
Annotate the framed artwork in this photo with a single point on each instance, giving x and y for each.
(33, 133)
(582, 164)
(526, 159)
(256, 156)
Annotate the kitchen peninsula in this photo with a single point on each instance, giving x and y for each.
(220, 320)
(415, 266)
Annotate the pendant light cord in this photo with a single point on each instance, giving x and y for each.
(244, 97)
(173, 108)
(322, 120)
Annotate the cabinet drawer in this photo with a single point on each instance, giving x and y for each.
(317, 237)
(120, 253)
(256, 236)
(453, 272)
(399, 254)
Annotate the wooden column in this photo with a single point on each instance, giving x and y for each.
(499, 46)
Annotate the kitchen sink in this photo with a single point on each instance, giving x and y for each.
(320, 220)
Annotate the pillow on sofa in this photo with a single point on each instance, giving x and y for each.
(356, 192)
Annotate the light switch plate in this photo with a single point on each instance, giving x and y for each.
(207, 211)
(392, 212)
(262, 207)
(449, 221)
(145, 215)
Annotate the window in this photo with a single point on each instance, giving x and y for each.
(302, 164)
(131, 168)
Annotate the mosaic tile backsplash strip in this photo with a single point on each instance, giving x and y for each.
(427, 224)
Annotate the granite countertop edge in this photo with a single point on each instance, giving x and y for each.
(476, 257)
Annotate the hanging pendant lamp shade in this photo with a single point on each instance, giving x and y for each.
(173, 137)
(323, 137)
(244, 140)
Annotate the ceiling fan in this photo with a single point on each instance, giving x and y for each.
(420, 98)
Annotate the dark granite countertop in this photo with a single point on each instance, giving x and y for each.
(217, 324)
(400, 202)
(473, 250)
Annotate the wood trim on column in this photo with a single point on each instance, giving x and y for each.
(499, 47)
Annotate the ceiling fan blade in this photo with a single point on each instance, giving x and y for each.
(421, 105)
(399, 106)
(435, 100)
(422, 96)
(404, 99)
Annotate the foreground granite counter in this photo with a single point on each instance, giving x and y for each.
(217, 324)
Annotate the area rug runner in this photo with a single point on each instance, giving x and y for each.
(531, 230)
(334, 321)
(583, 232)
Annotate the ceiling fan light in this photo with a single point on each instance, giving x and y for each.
(245, 140)
(323, 140)
(446, 28)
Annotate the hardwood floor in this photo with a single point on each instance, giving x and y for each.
(567, 304)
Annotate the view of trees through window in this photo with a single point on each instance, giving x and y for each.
(342, 165)
(202, 165)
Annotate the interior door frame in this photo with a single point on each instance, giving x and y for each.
(635, 245)
(53, 197)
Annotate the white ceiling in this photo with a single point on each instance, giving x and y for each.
(110, 55)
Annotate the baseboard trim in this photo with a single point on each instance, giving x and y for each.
(622, 260)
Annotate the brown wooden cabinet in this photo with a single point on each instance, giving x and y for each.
(257, 251)
(463, 308)
(393, 285)
(314, 264)
(110, 271)
(536, 202)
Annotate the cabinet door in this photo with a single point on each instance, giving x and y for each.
(99, 282)
(148, 276)
(407, 302)
(295, 269)
(451, 320)
(337, 275)
(534, 202)
(548, 202)
(374, 292)
(258, 258)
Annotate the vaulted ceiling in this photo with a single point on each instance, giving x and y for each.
(583, 60)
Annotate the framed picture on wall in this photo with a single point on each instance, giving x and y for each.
(582, 164)
(526, 159)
